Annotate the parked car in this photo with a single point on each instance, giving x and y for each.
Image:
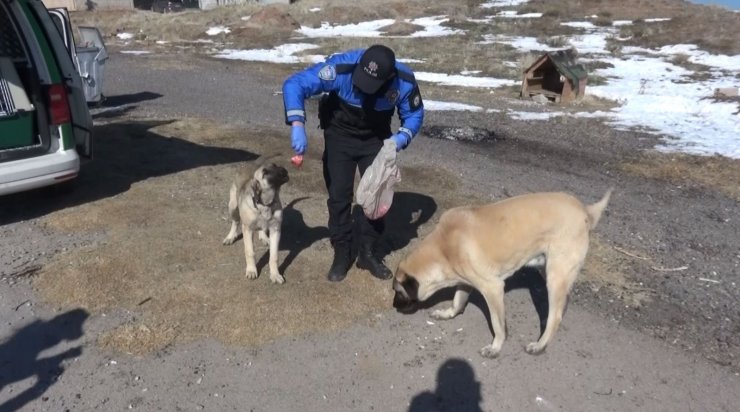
(45, 124)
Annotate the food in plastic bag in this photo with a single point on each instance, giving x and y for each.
(375, 191)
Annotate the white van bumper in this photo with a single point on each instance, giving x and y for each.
(38, 171)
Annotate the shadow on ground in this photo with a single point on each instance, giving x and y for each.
(402, 223)
(123, 99)
(525, 278)
(408, 213)
(295, 236)
(115, 106)
(457, 390)
(19, 355)
(125, 153)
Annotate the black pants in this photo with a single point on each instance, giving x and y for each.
(343, 155)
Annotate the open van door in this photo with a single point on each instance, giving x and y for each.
(63, 46)
(89, 54)
(60, 16)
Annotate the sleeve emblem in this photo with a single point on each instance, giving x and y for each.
(328, 72)
(415, 99)
(392, 95)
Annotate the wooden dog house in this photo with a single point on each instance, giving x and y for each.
(557, 76)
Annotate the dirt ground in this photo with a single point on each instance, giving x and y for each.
(164, 260)
(164, 256)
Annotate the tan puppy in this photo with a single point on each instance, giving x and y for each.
(479, 247)
(254, 205)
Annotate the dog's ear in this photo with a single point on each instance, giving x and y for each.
(407, 282)
(256, 189)
(411, 286)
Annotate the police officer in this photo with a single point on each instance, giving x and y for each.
(362, 90)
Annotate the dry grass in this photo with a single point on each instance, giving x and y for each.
(614, 10)
(710, 28)
(706, 26)
(163, 260)
(606, 268)
(718, 173)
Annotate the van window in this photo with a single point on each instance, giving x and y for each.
(10, 43)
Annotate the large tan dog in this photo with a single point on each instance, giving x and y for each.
(479, 247)
(254, 206)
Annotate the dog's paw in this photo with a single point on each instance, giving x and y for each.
(443, 314)
(534, 348)
(229, 240)
(263, 237)
(277, 278)
(489, 352)
(251, 274)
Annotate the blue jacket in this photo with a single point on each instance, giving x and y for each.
(335, 75)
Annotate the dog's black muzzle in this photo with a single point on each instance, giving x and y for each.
(401, 300)
(404, 305)
(277, 176)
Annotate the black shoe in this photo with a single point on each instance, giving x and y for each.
(342, 262)
(368, 261)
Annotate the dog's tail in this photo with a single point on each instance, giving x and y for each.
(595, 210)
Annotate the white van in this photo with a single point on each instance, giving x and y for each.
(45, 124)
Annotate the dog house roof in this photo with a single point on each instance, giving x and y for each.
(565, 62)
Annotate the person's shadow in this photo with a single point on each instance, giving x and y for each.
(19, 355)
(295, 236)
(457, 390)
(407, 213)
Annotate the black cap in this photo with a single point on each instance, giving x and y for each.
(377, 65)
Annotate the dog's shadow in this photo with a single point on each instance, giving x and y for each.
(295, 236)
(526, 278)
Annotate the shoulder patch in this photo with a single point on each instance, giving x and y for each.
(328, 72)
(345, 68)
(406, 76)
(415, 101)
(392, 95)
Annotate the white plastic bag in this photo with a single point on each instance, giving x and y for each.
(375, 191)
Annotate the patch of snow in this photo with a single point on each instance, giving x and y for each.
(464, 81)
(212, 31)
(364, 29)
(136, 52)
(659, 95)
(280, 54)
(125, 36)
(433, 27)
(315, 9)
(410, 60)
(503, 3)
(510, 14)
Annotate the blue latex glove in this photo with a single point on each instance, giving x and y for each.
(298, 139)
(402, 140)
